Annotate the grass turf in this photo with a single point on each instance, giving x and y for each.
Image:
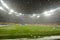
(28, 31)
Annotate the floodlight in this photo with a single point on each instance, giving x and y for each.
(34, 15)
(38, 16)
(51, 10)
(4, 4)
(20, 14)
(11, 10)
(47, 13)
(1, 8)
(58, 8)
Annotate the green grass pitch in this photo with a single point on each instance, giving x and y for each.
(28, 31)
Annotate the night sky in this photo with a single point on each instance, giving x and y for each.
(30, 7)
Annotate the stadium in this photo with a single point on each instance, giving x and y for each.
(29, 20)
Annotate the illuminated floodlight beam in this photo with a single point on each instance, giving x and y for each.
(1, 8)
(38, 16)
(4, 4)
(11, 11)
(16, 13)
(58, 7)
(20, 14)
(47, 13)
(33, 15)
(50, 12)
(53, 10)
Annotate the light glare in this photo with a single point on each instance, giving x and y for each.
(38, 16)
(51, 10)
(4, 4)
(20, 13)
(1, 8)
(34, 15)
(11, 10)
(47, 13)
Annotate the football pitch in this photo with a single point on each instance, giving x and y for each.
(28, 31)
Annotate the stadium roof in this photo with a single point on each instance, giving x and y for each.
(32, 6)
